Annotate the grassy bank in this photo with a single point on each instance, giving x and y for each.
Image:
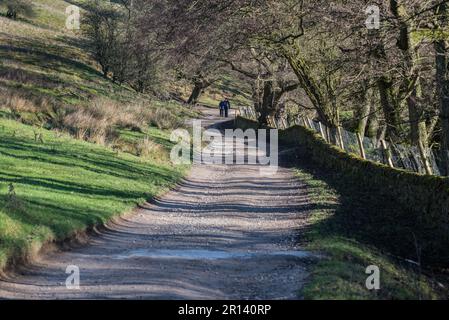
(55, 186)
(48, 76)
(52, 185)
(341, 274)
(41, 59)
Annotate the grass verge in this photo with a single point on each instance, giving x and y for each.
(341, 275)
(54, 186)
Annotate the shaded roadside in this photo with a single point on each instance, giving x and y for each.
(344, 224)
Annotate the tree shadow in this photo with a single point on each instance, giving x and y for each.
(35, 54)
(368, 214)
(96, 162)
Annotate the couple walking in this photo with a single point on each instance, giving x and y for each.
(224, 106)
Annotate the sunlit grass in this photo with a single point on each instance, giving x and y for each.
(63, 185)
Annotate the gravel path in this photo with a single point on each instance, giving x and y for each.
(225, 233)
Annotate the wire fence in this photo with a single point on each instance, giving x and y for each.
(394, 155)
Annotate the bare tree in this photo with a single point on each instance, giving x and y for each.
(102, 28)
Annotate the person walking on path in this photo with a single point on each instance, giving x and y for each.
(222, 108)
(227, 107)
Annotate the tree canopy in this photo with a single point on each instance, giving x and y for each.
(320, 58)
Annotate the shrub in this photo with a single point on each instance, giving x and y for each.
(18, 7)
(39, 111)
(145, 148)
(95, 123)
(164, 119)
(100, 120)
(101, 28)
(148, 148)
(18, 104)
(13, 203)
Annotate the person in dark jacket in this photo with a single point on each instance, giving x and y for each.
(222, 106)
(227, 107)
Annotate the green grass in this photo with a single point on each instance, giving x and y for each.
(51, 59)
(40, 58)
(340, 275)
(64, 185)
(52, 190)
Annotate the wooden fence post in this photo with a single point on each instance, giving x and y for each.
(328, 134)
(425, 159)
(387, 153)
(340, 138)
(236, 115)
(362, 149)
(309, 121)
(284, 123)
(322, 131)
(305, 122)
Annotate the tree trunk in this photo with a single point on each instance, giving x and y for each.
(373, 126)
(199, 84)
(269, 102)
(272, 95)
(389, 108)
(196, 92)
(363, 120)
(312, 89)
(418, 128)
(365, 111)
(105, 71)
(441, 51)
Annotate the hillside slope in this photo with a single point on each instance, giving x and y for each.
(75, 149)
(45, 68)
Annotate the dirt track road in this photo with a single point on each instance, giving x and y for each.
(225, 233)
